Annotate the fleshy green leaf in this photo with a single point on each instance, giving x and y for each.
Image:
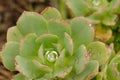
(63, 65)
(109, 19)
(48, 76)
(104, 16)
(51, 13)
(40, 54)
(89, 72)
(19, 77)
(81, 58)
(82, 33)
(28, 68)
(98, 51)
(62, 72)
(43, 67)
(28, 46)
(31, 22)
(58, 28)
(61, 60)
(14, 34)
(79, 7)
(47, 39)
(58, 47)
(68, 43)
(8, 54)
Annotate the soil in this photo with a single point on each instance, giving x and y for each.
(10, 10)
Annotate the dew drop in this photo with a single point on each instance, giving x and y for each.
(51, 56)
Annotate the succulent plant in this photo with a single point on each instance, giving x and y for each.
(110, 70)
(103, 15)
(46, 47)
(100, 11)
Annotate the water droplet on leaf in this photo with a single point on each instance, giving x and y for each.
(51, 56)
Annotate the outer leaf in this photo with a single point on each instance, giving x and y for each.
(31, 22)
(58, 28)
(28, 68)
(79, 7)
(14, 34)
(8, 54)
(51, 13)
(82, 33)
(68, 43)
(28, 46)
(89, 72)
(99, 52)
(81, 58)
